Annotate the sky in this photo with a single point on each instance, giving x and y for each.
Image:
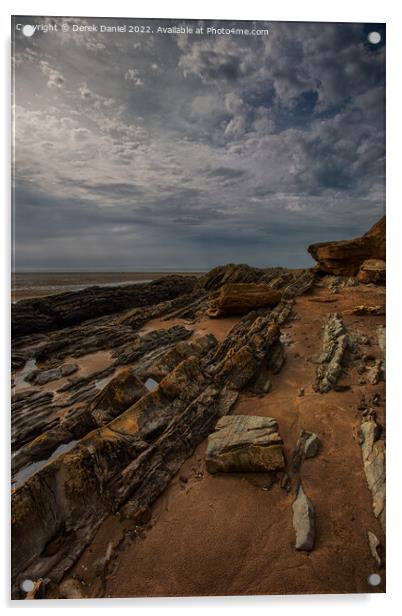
(164, 151)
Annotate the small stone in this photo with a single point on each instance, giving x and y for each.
(301, 392)
(311, 445)
(285, 482)
(375, 547)
(303, 521)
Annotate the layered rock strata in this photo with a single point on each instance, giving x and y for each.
(57, 510)
(335, 343)
(244, 443)
(344, 258)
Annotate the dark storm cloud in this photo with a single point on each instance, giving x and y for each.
(153, 152)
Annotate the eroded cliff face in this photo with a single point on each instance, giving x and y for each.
(344, 258)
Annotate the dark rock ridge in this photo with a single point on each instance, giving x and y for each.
(57, 311)
(57, 510)
(120, 393)
(344, 258)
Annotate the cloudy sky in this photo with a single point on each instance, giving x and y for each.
(172, 152)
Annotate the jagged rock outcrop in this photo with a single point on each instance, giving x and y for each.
(368, 310)
(344, 258)
(335, 343)
(241, 298)
(372, 271)
(230, 273)
(289, 282)
(57, 311)
(57, 510)
(171, 358)
(373, 453)
(244, 443)
(32, 412)
(303, 521)
(158, 340)
(120, 393)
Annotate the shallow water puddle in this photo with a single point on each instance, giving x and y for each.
(20, 381)
(151, 384)
(33, 468)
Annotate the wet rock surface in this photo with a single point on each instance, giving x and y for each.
(135, 455)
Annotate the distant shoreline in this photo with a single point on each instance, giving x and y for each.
(27, 285)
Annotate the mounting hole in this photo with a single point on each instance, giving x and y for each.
(27, 585)
(28, 30)
(374, 579)
(374, 38)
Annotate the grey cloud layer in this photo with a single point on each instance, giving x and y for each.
(150, 152)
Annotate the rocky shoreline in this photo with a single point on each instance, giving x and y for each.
(116, 389)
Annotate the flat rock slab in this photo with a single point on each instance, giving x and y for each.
(244, 444)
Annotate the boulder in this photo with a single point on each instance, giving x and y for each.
(239, 298)
(372, 271)
(303, 521)
(241, 443)
(344, 258)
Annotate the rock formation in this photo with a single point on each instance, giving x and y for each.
(372, 271)
(57, 311)
(244, 443)
(344, 258)
(373, 453)
(335, 342)
(240, 298)
(134, 456)
(303, 521)
(368, 310)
